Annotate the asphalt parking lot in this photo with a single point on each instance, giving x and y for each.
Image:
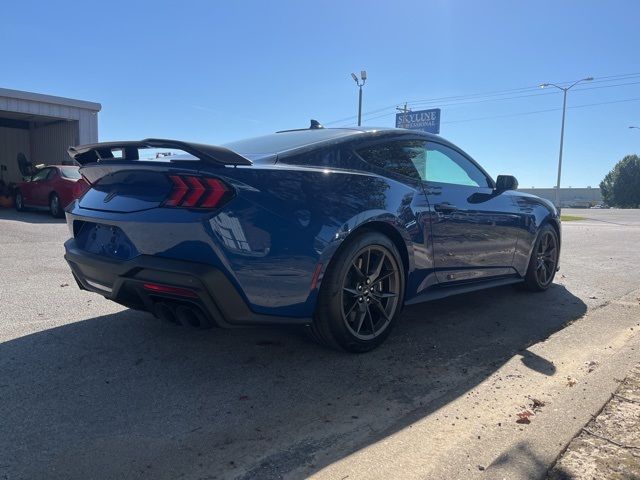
(90, 389)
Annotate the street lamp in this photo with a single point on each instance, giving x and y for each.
(564, 109)
(360, 82)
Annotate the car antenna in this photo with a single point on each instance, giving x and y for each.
(315, 124)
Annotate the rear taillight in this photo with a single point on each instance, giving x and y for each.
(188, 191)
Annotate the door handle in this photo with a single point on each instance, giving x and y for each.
(445, 207)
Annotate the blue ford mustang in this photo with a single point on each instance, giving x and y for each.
(331, 229)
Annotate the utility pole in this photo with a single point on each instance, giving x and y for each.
(360, 82)
(404, 110)
(564, 109)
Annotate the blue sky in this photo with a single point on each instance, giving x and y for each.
(218, 71)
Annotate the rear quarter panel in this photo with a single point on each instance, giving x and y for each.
(64, 189)
(286, 221)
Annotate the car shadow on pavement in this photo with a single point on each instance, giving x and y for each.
(127, 395)
(29, 216)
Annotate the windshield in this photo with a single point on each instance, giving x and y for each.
(70, 172)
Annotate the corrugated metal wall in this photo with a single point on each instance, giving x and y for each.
(44, 144)
(12, 142)
(49, 144)
(88, 127)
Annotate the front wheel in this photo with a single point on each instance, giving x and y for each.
(18, 201)
(544, 260)
(54, 206)
(361, 294)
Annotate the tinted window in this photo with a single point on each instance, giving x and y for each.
(445, 165)
(70, 172)
(326, 157)
(283, 141)
(42, 174)
(398, 157)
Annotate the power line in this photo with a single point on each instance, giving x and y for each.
(485, 96)
(521, 90)
(624, 100)
(529, 95)
(530, 112)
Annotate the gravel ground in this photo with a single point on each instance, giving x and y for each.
(609, 446)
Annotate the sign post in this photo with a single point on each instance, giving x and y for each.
(423, 120)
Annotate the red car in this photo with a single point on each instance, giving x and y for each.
(53, 188)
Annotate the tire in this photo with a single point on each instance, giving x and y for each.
(18, 201)
(361, 294)
(543, 261)
(55, 209)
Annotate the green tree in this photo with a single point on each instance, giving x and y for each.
(621, 186)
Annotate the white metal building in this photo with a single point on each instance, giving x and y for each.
(569, 197)
(42, 127)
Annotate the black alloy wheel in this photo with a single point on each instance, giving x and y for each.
(370, 292)
(361, 294)
(544, 260)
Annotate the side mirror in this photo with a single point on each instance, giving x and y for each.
(506, 182)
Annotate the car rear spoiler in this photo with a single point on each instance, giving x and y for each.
(103, 152)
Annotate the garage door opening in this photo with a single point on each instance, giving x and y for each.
(39, 129)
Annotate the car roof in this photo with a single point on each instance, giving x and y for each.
(287, 140)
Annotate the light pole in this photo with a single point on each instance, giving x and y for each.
(564, 110)
(360, 82)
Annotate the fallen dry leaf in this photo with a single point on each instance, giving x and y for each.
(571, 381)
(523, 417)
(536, 404)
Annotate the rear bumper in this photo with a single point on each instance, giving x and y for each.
(123, 282)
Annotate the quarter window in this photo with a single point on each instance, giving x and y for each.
(398, 157)
(328, 157)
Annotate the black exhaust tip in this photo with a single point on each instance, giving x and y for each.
(164, 312)
(191, 316)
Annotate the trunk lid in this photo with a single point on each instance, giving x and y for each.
(122, 180)
(127, 191)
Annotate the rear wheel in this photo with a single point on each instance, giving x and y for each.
(54, 205)
(361, 294)
(543, 261)
(19, 201)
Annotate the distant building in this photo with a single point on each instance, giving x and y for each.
(569, 197)
(40, 128)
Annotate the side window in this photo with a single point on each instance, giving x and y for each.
(41, 175)
(398, 157)
(445, 165)
(327, 157)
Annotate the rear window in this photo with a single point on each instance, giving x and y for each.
(70, 172)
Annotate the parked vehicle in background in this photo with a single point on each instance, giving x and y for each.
(50, 188)
(601, 205)
(330, 229)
